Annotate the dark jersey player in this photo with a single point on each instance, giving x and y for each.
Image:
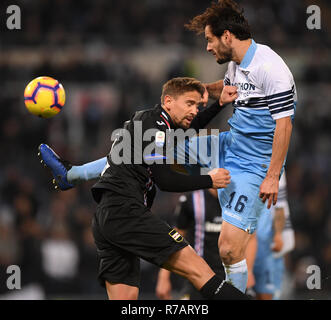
(198, 218)
(124, 228)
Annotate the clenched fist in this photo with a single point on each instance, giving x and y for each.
(221, 177)
(228, 95)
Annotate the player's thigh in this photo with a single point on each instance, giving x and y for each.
(116, 266)
(119, 291)
(240, 202)
(233, 239)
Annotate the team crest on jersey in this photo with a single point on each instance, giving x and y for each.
(159, 139)
(176, 235)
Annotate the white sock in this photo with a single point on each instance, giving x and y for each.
(237, 274)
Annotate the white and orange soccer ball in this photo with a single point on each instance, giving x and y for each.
(44, 97)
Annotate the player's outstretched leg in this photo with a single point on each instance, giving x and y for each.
(66, 176)
(58, 167)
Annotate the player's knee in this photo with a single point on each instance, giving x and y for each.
(226, 255)
(229, 252)
(129, 295)
(121, 292)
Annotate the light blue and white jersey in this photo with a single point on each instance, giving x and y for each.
(266, 92)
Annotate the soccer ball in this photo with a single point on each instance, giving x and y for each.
(44, 97)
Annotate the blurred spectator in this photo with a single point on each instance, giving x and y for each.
(60, 260)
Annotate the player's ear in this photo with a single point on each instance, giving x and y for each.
(226, 36)
(167, 102)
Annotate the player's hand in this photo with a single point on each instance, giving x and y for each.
(228, 95)
(269, 190)
(221, 177)
(163, 289)
(205, 97)
(277, 242)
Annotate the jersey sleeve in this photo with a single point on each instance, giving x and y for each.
(279, 89)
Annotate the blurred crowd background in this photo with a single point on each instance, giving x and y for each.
(112, 57)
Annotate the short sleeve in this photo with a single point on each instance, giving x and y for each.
(279, 89)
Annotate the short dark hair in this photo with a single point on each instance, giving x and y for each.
(221, 16)
(177, 86)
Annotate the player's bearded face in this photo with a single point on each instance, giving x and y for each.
(183, 108)
(223, 54)
(219, 48)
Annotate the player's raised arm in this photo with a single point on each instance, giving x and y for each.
(213, 91)
(168, 180)
(228, 95)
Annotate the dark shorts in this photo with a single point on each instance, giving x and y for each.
(125, 231)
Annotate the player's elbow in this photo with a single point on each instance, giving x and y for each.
(284, 126)
(288, 128)
(285, 123)
(288, 123)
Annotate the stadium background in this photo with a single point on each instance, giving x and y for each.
(112, 58)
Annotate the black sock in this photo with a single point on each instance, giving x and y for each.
(217, 288)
